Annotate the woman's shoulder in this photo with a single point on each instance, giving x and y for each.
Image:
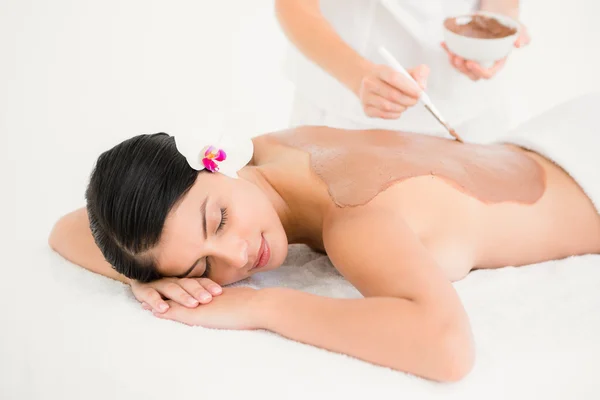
(304, 133)
(269, 148)
(293, 143)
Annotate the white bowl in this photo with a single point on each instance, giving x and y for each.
(484, 51)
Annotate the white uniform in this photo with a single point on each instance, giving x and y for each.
(412, 31)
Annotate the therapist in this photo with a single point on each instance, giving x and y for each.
(342, 81)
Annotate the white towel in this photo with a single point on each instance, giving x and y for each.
(569, 135)
(67, 333)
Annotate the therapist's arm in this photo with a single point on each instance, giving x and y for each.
(511, 9)
(383, 92)
(506, 7)
(311, 33)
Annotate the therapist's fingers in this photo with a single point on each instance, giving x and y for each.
(420, 74)
(374, 112)
(471, 68)
(461, 65)
(485, 73)
(523, 39)
(384, 104)
(445, 47)
(398, 81)
(386, 93)
(376, 87)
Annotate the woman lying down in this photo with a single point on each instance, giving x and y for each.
(401, 216)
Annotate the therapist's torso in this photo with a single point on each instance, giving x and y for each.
(412, 31)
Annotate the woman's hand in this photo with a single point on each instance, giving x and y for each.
(386, 93)
(188, 292)
(475, 71)
(235, 309)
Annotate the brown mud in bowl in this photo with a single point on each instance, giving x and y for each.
(479, 27)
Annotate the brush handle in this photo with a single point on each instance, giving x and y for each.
(391, 60)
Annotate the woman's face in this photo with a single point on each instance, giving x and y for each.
(224, 229)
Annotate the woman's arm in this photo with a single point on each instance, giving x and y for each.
(410, 320)
(72, 238)
(397, 333)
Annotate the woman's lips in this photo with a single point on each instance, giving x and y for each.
(264, 254)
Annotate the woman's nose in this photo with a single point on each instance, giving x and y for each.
(234, 251)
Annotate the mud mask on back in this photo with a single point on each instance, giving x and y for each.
(356, 166)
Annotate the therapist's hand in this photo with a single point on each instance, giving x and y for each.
(386, 93)
(475, 71)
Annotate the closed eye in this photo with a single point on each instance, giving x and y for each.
(219, 228)
(223, 219)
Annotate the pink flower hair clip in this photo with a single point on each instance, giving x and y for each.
(212, 156)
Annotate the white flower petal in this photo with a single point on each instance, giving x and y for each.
(190, 147)
(239, 153)
(239, 150)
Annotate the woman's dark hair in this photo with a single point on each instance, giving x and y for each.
(132, 188)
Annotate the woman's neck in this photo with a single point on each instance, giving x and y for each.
(300, 218)
(255, 175)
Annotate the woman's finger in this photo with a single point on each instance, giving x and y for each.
(176, 313)
(213, 288)
(151, 297)
(174, 291)
(146, 306)
(196, 290)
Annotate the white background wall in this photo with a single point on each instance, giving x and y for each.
(77, 76)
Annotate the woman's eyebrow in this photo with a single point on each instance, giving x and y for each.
(203, 214)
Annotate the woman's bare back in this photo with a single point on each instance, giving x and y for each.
(472, 206)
